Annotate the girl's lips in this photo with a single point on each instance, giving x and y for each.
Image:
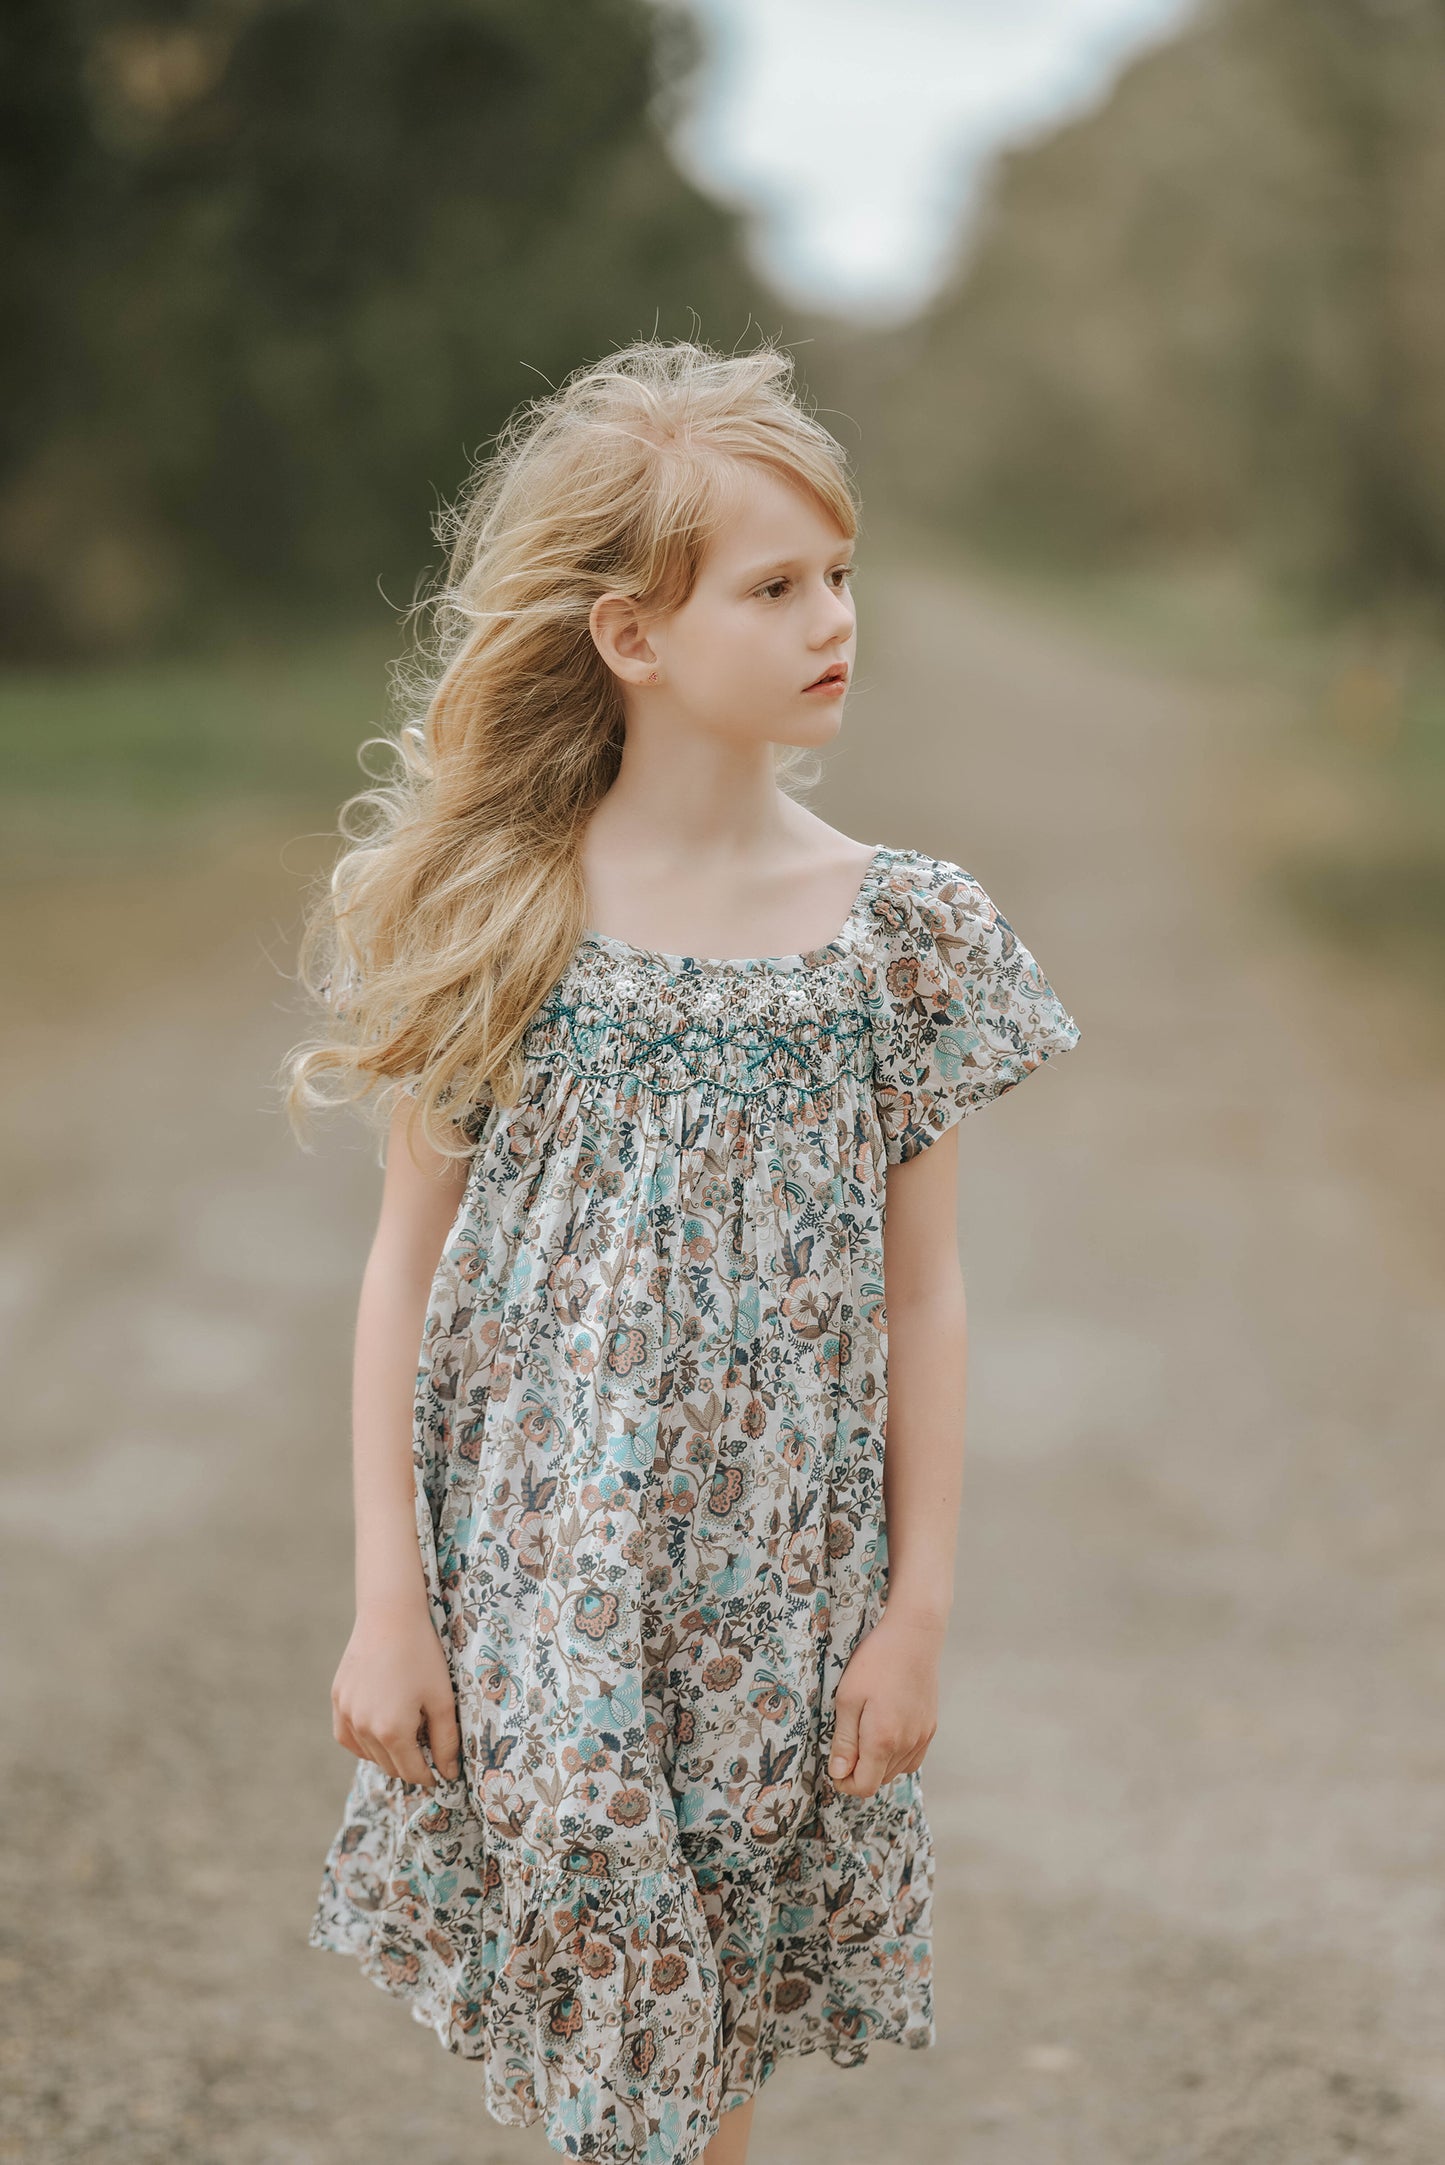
(837, 683)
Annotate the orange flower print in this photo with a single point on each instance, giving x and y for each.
(771, 1701)
(793, 1444)
(495, 1683)
(595, 1613)
(902, 979)
(641, 2052)
(566, 2017)
(725, 1491)
(626, 1350)
(580, 1352)
(669, 1973)
(739, 1969)
(437, 1819)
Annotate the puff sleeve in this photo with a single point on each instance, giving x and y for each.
(471, 1119)
(961, 1010)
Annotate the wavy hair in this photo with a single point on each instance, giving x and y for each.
(440, 929)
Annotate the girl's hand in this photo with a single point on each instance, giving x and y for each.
(886, 1709)
(393, 1679)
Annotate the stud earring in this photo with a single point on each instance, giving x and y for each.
(653, 678)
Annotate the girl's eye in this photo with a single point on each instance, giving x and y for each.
(844, 571)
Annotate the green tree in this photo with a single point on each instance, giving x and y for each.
(1209, 314)
(282, 266)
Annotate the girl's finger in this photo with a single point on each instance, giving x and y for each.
(444, 1737)
(412, 1766)
(871, 1759)
(897, 1765)
(910, 1758)
(375, 1750)
(843, 1755)
(917, 1757)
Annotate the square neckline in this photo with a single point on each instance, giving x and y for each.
(802, 959)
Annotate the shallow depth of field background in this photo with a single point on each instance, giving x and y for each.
(1132, 319)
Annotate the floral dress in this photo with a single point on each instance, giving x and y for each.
(648, 1448)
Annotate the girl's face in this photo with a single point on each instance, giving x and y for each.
(771, 610)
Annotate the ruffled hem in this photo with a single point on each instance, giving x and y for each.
(627, 2008)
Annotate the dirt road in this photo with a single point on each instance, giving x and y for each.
(1188, 1791)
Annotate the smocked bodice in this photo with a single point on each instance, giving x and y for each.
(783, 1028)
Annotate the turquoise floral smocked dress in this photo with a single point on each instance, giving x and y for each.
(649, 1437)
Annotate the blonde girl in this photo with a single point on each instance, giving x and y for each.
(663, 1321)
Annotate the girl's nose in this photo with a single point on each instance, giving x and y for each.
(840, 612)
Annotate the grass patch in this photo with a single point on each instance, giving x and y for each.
(114, 759)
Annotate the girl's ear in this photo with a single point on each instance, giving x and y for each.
(619, 637)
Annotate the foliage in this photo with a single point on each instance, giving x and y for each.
(281, 267)
(1209, 315)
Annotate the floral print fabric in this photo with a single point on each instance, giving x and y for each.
(648, 1447)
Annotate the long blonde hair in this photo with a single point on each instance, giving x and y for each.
(438, 933)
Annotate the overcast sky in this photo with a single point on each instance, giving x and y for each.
(855, 130)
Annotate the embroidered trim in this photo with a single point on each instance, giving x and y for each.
(744, 1036)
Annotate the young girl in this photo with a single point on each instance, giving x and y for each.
(637, 1690)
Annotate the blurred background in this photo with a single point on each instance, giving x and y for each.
(1131, 316)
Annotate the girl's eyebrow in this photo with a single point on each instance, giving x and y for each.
(790, 563)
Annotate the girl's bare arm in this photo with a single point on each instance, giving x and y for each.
(887, 1701)
(394, 1676)
(927, 1372)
